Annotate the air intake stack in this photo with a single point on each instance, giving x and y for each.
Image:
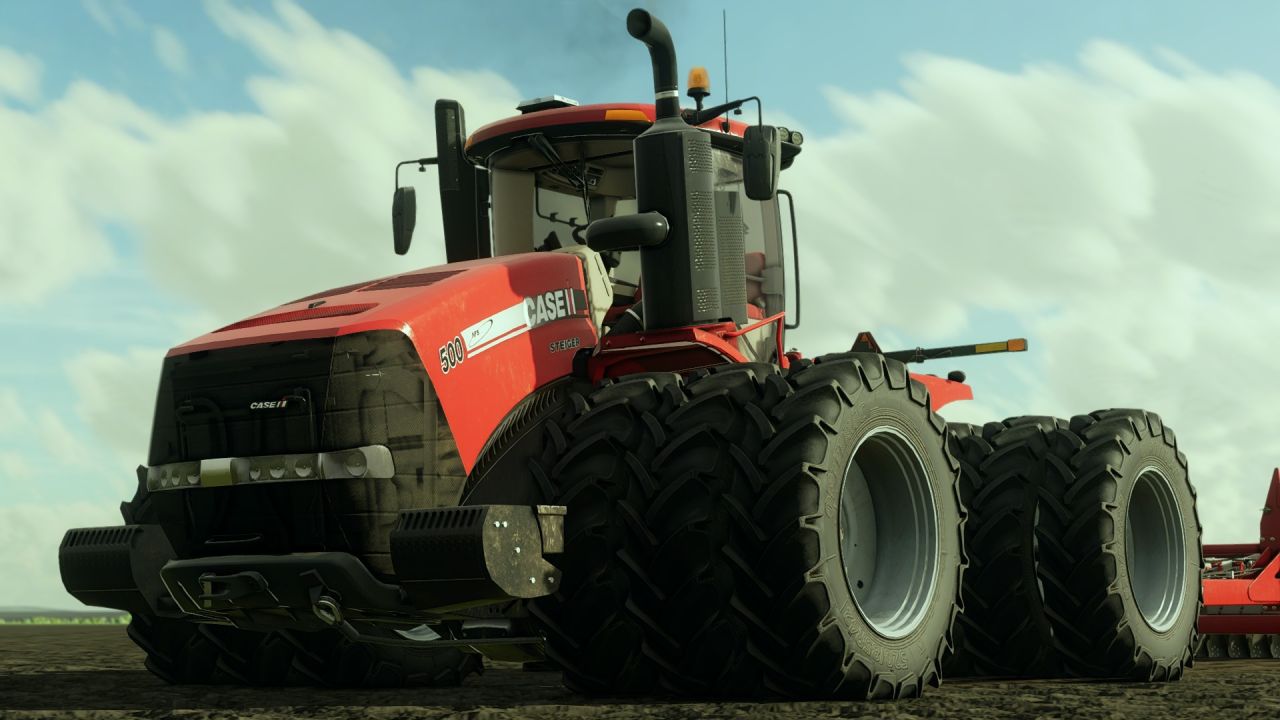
(675, 176)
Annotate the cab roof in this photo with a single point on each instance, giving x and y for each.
(619, 120)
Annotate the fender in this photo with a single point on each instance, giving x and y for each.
(943, 391)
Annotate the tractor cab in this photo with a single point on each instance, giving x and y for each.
(559, 166)
(537, 182)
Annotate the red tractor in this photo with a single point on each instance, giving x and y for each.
(582, 444)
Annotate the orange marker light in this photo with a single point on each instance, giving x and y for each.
(622, 114)
(699, 82)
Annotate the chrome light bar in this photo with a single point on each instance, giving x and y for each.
(370, 461)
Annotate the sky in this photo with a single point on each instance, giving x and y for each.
(1097, 177)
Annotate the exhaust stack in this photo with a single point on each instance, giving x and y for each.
(662, 54)
(675, 176)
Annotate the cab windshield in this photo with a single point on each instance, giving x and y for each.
(546, 206)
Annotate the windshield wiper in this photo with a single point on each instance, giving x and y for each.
(548, 151)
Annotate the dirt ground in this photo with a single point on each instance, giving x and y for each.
(95, 672)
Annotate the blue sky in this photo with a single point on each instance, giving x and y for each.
(576, 48)
(571, 47)
(1095, 176)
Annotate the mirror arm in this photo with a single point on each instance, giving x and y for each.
(422, 164)
(698, 117)
(759, 108)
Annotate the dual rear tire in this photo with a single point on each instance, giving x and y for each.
(803, 534)
(1085, 548)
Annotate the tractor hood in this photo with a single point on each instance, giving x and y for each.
(485, 332)
(410, 303)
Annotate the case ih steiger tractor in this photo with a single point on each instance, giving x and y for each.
(582, 445)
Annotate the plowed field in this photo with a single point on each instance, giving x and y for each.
(95, 672)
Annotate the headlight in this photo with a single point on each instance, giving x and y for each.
(303, 467)
(355, 464)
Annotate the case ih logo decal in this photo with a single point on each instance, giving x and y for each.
(553, 305)
(511, 322)
(269, 404)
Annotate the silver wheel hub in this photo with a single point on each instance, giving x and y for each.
(1155, 550)
(888, 530)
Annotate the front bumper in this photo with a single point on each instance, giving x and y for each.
(117, 567)
(445, 559)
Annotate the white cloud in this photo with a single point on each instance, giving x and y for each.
(1123, 214)
(54, 475)
(170, 50)
(58, 442)
(48, 455)
(30, 535)
(19, 76)
(49, 220)
(106, 13)
(234, 211)
(98, 11)
(12, 414)
(116, 397)
(17, 467)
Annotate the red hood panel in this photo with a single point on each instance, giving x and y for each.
(488, 332)
(397, 302)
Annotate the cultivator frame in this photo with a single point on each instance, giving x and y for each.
(1241, 583)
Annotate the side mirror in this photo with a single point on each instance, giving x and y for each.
(404, 213)
(761, 161)
(627, 231)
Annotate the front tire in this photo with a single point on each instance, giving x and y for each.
(708, 478)
(181, 652)
(597, 464)
(187, 653)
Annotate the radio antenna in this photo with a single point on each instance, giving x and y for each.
(724, 35)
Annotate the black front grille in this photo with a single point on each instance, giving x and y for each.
(302, 396)
(205, 404)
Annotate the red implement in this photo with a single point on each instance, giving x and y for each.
(1242, 588)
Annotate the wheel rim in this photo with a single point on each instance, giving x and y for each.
(888, 529)
(1155, 550)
